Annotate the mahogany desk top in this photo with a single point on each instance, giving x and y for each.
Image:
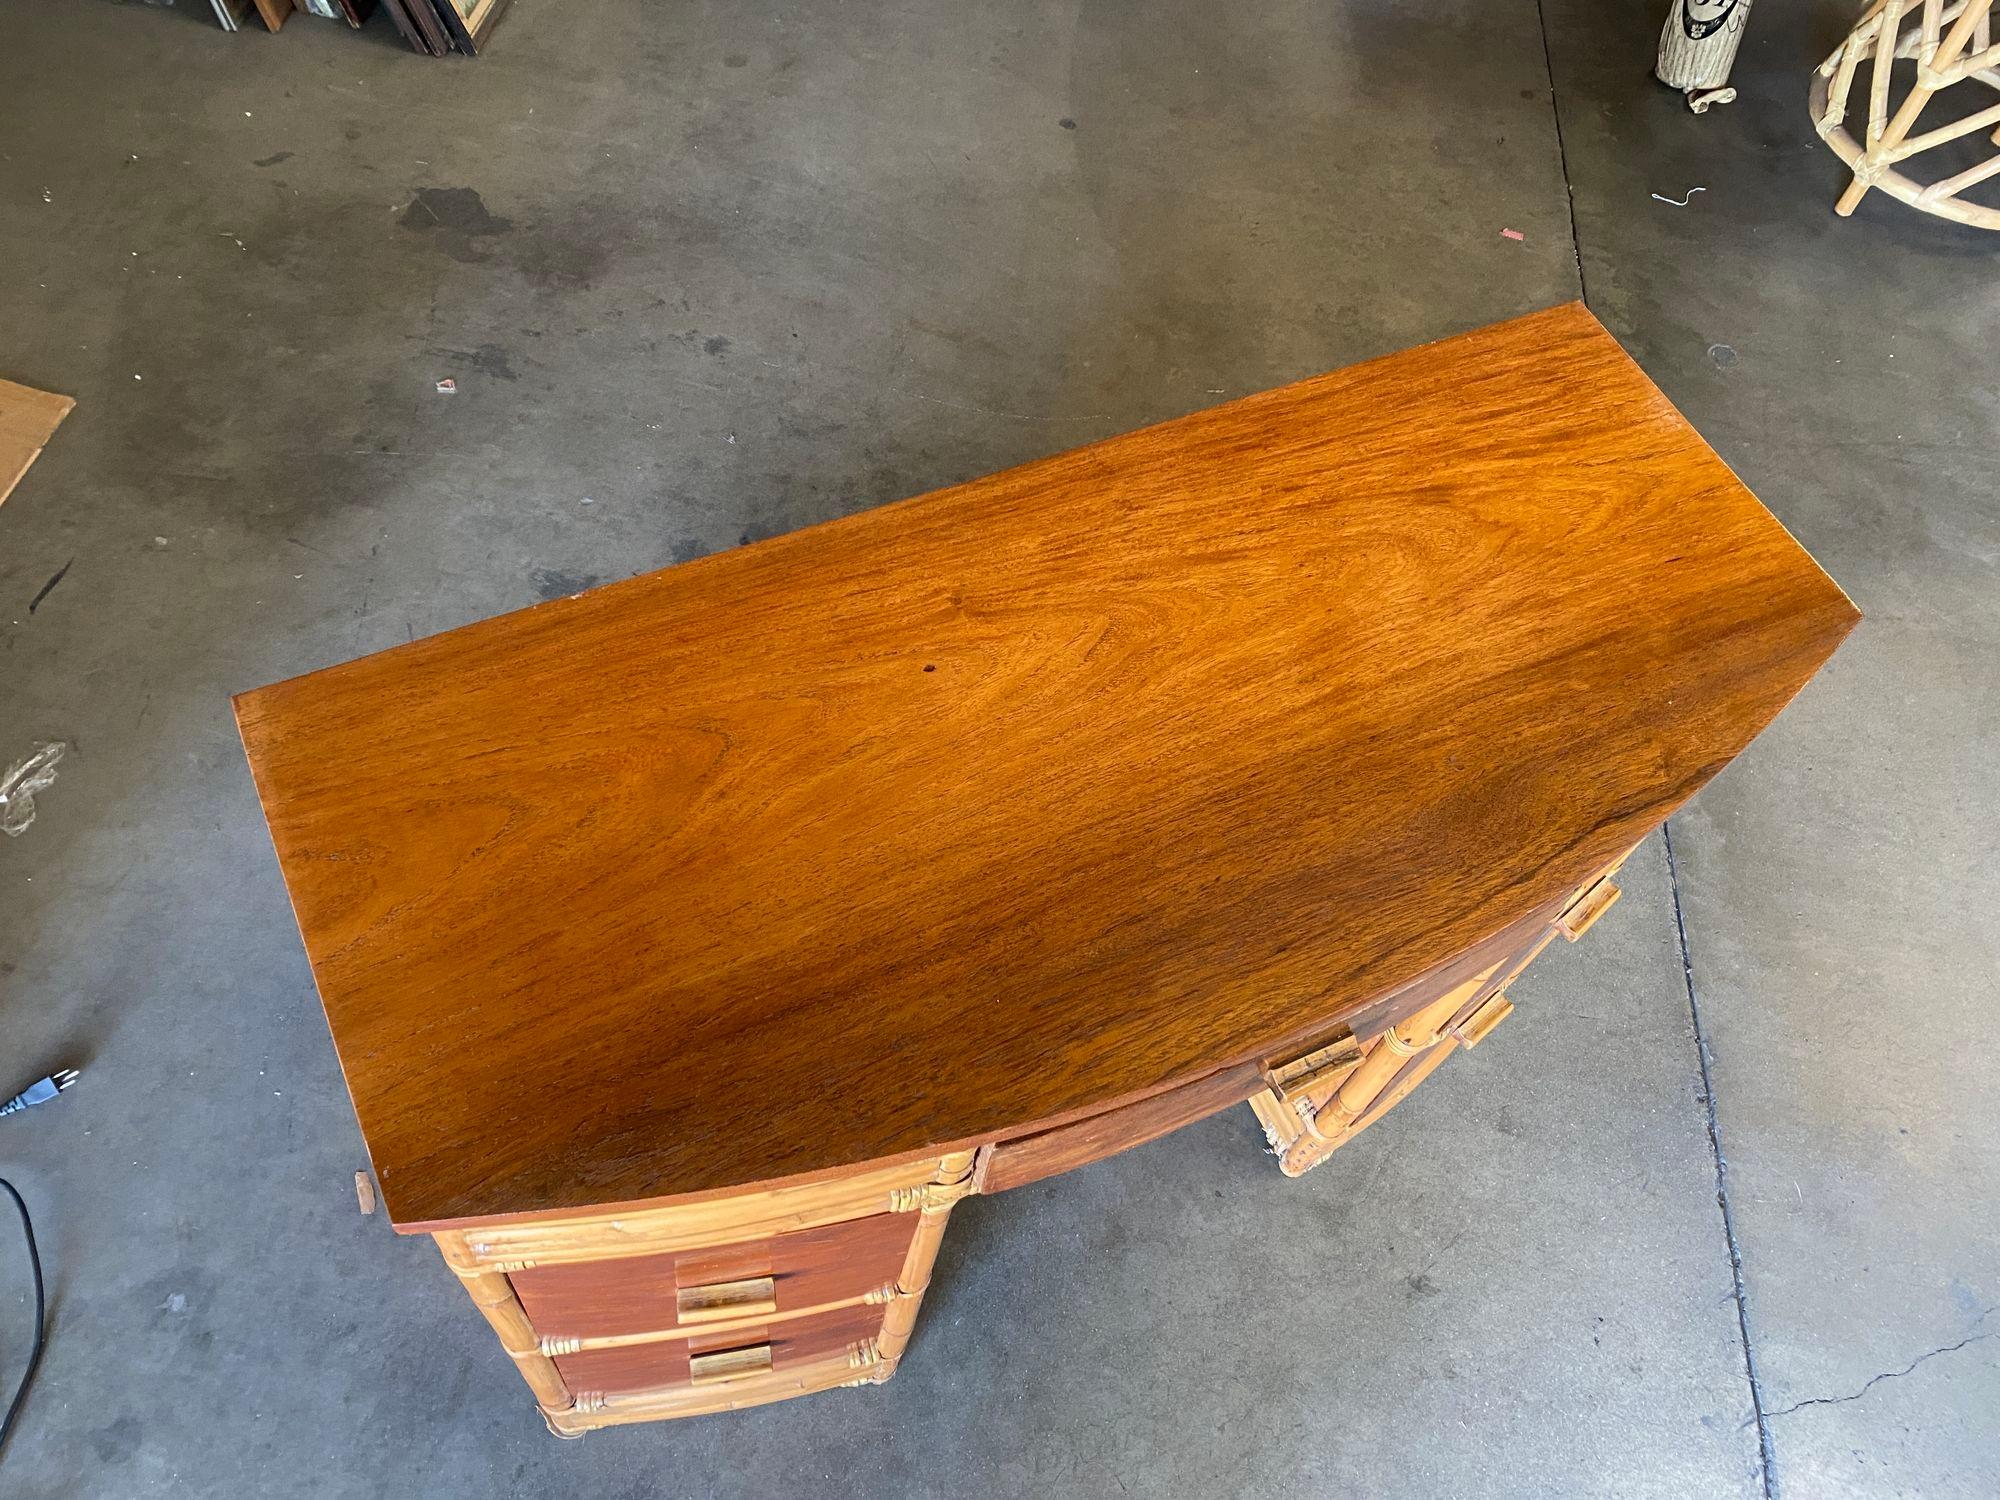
(995, 807)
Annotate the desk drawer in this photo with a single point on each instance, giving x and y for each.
(690, 1289)
(718, 1358)
(1030, 1158)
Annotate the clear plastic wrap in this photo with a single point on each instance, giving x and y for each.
(23, 779)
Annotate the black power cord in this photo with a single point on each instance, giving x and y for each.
(39, 1092)
(35, 1354)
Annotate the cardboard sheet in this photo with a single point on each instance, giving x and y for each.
(28, 418)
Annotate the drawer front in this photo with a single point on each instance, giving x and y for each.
(736, 1218)
(1031, 1158)
(689, 1289)
(716, 1359)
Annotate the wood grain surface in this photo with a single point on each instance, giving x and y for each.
(998, 807)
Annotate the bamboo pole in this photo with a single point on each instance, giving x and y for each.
(493, 1295)
(899, 1318)
(1384, 1060)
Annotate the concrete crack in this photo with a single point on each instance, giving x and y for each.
(1766, 1453)
(1875, 1380)
(1562, 154)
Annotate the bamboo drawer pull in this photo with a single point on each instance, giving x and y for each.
(729, 1364)
(726, 1299)
(1587, 908)
(1327, 1068)
(1475, 1028)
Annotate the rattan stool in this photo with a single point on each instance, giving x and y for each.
(1951, 44)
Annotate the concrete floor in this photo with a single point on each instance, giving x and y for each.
(709, 272)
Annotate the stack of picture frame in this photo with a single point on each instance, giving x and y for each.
(436, 28)
(439, 27)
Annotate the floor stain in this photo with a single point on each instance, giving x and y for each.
(457, 218)
(117, 1441)
(487, 359)
(50, 587)
(555, 583)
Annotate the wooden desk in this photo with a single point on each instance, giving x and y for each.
(692, 944)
